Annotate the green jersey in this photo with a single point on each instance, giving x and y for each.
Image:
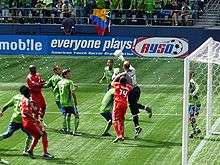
(15, 102)
(194, 94)
(65, 87)
(110, 73)
(52, 82)
(107, 101)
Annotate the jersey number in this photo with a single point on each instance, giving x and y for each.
(123, 92)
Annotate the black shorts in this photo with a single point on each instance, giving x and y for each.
(72, 110)
(133, 99)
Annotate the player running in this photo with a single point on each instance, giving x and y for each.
(106, 110)
(194, 105)
(66, 93)
(134, 95)
(35, 84)
(15, 122)
(109, 73)
(52, 82)
(32, 123)
(122, 89)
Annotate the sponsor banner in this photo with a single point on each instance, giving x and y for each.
(92, 46)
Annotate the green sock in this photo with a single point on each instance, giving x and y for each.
(68, 122)
(76, 123)
(27, 144)
(65, 121)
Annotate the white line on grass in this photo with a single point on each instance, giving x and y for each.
(202, 143)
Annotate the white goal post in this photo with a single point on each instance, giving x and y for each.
(207, 56)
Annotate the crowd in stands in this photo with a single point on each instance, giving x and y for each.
(141, 12)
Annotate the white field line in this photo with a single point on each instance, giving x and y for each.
(202, 143)
(4, 84)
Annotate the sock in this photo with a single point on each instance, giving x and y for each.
(116, 127)
(27, 143)
(194, 125)
(108, 126)
(76, 123)
(45, 142)
(136, 121)
(65, 121)
(34, 143)
(68, 122)
(121, 129)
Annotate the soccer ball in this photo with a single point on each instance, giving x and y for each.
(178, 46)
(119, 54)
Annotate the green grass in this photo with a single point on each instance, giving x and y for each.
(159, 143)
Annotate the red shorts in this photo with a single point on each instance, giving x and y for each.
(119, 111)
(39, 100)
(33, 128)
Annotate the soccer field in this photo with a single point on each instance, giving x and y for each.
(159, 143)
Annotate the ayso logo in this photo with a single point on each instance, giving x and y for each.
(160, 47)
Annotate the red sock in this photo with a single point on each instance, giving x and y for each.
(116, 128)
(45, 143)
(34, 143)
(121, 129)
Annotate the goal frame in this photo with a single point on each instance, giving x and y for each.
(185, 130)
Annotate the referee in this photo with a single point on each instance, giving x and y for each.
(133, 97)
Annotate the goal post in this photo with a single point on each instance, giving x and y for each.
(204, 62)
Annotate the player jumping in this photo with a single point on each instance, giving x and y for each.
(52, 82)
(122, 89)
(194, 105)
(35, 84)
(15, 122)
(66, 93)
(32, 123)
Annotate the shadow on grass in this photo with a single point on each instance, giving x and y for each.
(91, 136)
(5, 150)
(142, 121)
(38, 157)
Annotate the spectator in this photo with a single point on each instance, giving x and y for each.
(185, 12)
(149, 7)
(67, 9)
(40, 8)
(79, 7)
(175, 13)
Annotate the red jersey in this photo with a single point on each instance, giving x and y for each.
(35, 82)
(121, 92)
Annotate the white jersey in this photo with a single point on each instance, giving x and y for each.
(130, 75)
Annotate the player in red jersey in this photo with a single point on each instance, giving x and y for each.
(35, 84)
(122, 88)
(32, 123)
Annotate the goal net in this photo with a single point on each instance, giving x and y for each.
(201, 105)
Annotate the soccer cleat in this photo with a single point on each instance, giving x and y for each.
(2, 161)
(137, 132)
(48, 156)
(149, 110)
(198, 131)
(25, 153)
(116, 140)
(64, 130)
(30, 154)
(76, 134)
(192, 135)
(106, 134)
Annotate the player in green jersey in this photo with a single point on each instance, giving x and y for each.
(15, 122)
(106, 110)
(109, 73)
(66, 94)
(52, 82)
(194, 105)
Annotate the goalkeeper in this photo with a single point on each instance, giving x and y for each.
(194, 105)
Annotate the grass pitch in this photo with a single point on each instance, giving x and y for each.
(159, 143)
